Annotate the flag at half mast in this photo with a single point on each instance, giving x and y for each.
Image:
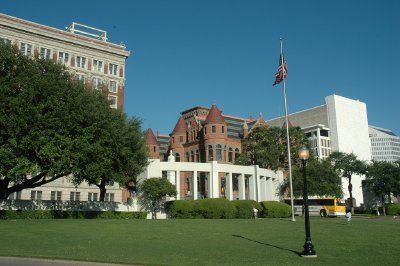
(282, 70)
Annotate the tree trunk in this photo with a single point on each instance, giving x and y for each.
(383, 206)
(350, 187)
(4, 188)
(103, 190)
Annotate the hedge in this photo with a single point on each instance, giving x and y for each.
(180, 209)
(274, 209)
(214, 209)
(56, 214)
(245, 208)
(393, 209)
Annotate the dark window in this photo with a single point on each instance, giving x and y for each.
(177, 157)
(187, 157)
(154, 149)
(219, 152)
(210, 153)
(180, 139)
(213, 129)
(192, 156)
(324, 133)
(223, 129)
(230, 155)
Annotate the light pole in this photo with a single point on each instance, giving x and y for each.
(308, 251)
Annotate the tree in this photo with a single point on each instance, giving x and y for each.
(383, 178)
(118, 154)
(266, 147)
(322, 179)
(347, 165)
(51, 126)
(153, 193)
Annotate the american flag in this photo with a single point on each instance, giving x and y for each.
(282, 70)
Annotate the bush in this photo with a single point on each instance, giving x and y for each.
(56, 214)
(274, 209)
(394, 209)
(180, 209)
(244, 208)
(214, 209)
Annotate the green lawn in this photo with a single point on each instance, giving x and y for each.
(203, 242)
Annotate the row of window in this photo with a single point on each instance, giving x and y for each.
(66, 58)
(194, 156)
(386, 139)
(98, 83)
(385, 144)
(57, 196)
(390, 148)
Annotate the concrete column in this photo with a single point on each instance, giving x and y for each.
(257, 183)
(319, 143)
(263, 189)
(252, 188)
(242, 191)
(171, 176)
(178, 185)
(215, 180)
(195, 188)
(229, 186)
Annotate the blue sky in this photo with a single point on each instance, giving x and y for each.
(188, 53)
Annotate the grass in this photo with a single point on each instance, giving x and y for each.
(365, 241)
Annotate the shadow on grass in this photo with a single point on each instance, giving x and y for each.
(268, 245)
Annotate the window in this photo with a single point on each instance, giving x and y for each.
(112, 87)
(197, 156)
(109, 197)
(63, 58)
(55, 195)
(15, 196)
(213, 129)
(5, 40)
(230, 155)
(187, 157)
(180, 139)
(92, 196)
(223, 129)
(113, 69)
(26, 49)
(210, 153)
(97, 83)
(177, 157)
(36, 195)
(80, 77)
(44, 53)
(97, 65)
(74, 196)
(113, 101)
(237, 153)
(81, 62)
(192, 156)
(219, 152)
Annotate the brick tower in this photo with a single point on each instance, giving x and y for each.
(178, 138)
(215, 135)
(153, 145)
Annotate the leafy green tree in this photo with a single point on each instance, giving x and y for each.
(266, 147)
(322, 179)
(153, 193)
(383, 178)
(347, 165)
(52, 126)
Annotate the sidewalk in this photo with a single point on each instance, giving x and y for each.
(14, 261)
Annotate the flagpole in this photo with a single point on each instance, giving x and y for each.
(287, 133)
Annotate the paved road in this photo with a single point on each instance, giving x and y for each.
(12, 261)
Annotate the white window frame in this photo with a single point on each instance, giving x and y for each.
(56, 195)
(63, 61)
(116, 86)
(25, 51)
(74, 196)
(96, 65)
(109, 197)
(81, 61)
(97, 83)
(93, 196)
(47, 50)
(81, 77)
(36, 195)
(6, 40)
(113, 69)
(115, 105)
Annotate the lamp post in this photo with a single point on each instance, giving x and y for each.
(308, 251)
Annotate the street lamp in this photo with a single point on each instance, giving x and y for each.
(308, 251)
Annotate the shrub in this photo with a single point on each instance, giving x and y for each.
(394, 209)
(244, 208)
(56, 214)
(274, 209)
(214, 209)
(180, 209)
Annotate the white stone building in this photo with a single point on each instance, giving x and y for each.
(385, 145)
(341, 124)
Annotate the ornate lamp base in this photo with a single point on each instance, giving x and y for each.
(308, 251)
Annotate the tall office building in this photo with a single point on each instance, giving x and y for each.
(385, 145)
(84, 50)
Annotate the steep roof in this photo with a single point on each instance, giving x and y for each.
(150, 138)
(214, 115)
(289, 123)
(180, 127)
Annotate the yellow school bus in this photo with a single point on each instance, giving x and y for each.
(323, 206)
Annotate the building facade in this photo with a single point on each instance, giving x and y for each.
(385, 145)
(88, 55)
(341, 124)
(84, 50)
